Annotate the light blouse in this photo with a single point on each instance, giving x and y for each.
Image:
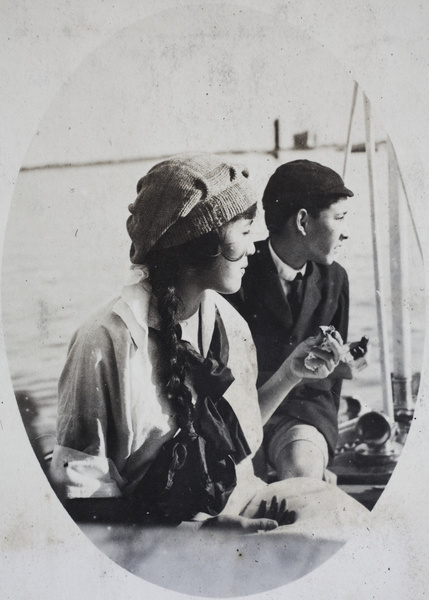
(113, 416)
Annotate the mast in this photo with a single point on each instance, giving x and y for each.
(401, 302)
(380, 296)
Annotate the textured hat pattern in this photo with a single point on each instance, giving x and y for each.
(183, 198)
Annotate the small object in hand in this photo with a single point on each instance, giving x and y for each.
(356, 350)
(311, 361)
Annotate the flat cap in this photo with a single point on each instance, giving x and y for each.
(303, 179)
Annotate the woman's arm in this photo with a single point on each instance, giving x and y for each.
(89, 383)
(272, 393)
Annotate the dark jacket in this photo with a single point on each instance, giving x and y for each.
(262, 303)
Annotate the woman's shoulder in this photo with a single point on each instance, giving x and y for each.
(222, 304)
(102, 326)
(232, 319)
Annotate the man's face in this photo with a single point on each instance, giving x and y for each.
(325, 233)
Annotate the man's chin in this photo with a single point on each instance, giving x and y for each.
(326, 260)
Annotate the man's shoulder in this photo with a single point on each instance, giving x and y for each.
(259, 261)
(255, 278)
(262, 251)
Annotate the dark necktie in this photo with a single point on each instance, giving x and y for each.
(295, 295)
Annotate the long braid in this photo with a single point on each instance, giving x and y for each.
(163, 274)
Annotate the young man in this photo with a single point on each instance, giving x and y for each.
(293, 285)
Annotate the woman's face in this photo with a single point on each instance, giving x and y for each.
(225, 273)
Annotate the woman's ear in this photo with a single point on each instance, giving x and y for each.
(302, 221)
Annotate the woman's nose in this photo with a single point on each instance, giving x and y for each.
(251, 248)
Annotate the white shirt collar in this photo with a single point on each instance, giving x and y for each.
(137, 308)
(284, 270)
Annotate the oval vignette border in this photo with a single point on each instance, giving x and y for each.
(412, 435)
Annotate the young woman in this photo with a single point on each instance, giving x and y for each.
(157, 400)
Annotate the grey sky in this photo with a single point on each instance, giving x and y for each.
(161, 87)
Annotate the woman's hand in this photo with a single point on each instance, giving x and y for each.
(350, 370)
(237, 523)
(276, 511)
(273, 392)
(266, 519)
(323, 361)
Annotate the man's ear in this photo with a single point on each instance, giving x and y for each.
(302, 221)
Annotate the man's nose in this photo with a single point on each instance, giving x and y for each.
(345, 233)
(251, 248)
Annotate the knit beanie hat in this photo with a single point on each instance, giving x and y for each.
(183, 198)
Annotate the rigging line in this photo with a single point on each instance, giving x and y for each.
(349, 132)
(410, 212)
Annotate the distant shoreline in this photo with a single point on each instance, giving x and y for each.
(359, 147)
